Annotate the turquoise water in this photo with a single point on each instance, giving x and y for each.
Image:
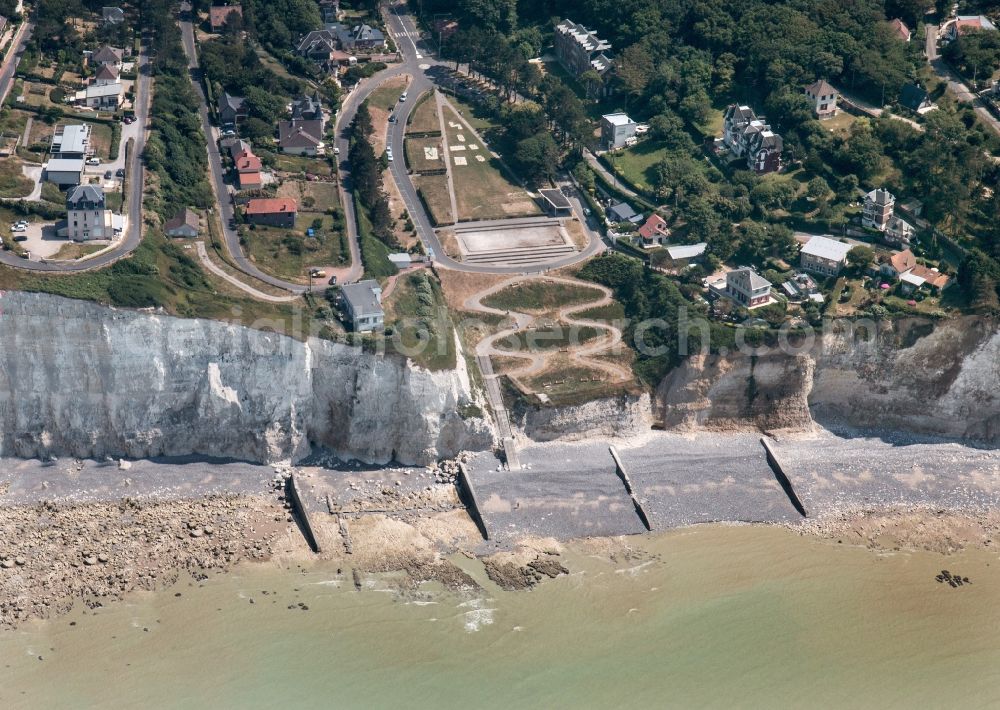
(706, 617)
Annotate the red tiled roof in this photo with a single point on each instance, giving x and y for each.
(272, 205)
(247, 162)
(933, 278)
(903, 261)
(900, 28)
(250, 179)
(654, 225)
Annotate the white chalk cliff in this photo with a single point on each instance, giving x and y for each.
(80, 379)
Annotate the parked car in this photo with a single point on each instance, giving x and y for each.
(20, 237)
(25, 255)
(108, 174)
(120, 172)
(129, 120)
(388, 154)
(402, 97)
(333, 281)
(93, 161)
(336, 150)
(317, 273)
(392, 118)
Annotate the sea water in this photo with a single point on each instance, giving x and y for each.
(712, 616)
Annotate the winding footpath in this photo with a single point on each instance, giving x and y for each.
(583, 354)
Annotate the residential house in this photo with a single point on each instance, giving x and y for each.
(232, 109)
(363, 305)
(72, 141)
(318, 46)
(750, 137)
(103, 97)
(877, 210)
(899, 231)
(654, 231)
(87, 214)
(802, 287)
(682, 255)
(748, 288)
(894, 266)
(106, 75)
(623, 212)
(248, 167)
(300, 137)
(184, 224)
(617, 130)
(903, 266)
(308, 108)
(900, 29)
(916, 99)
(359, 38)
(555, 203)
(107, 56)
(112, 15)
(966, 23)
(822, 255)
(580, 50)
(921, 276)
(329, 10)
(272, 212)
(218, 15)
(824, 99)
(64, 172)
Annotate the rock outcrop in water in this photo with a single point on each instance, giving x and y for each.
(83, 380)
(920, 377)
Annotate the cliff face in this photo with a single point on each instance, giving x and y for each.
(83, 380)
(623, 416)
(919, 377)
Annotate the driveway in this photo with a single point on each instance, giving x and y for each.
(42, 241)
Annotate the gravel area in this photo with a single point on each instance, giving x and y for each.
(683, 480)
(565, 491)
(832, 474)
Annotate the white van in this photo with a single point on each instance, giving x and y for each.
(402, 96)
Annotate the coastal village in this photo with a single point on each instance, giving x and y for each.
(423, 291)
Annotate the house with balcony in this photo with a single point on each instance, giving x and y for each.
(748, 136)
(877, 210)
(748, 288)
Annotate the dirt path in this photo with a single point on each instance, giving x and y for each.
(447, 157)
(582, 354)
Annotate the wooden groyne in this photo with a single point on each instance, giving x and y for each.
(623, 474)
(296, 499)
(783, 480)
(467, 493)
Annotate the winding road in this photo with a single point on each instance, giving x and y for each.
(134, 173)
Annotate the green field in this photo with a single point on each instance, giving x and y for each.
(424, 118)
(540, 296)
(13, 182)
(482, 191)
(416, 156)
(433, 190)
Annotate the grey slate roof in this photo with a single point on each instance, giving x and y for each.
(362, 299)
(84, 197)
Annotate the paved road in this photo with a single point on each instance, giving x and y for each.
(955, 83)
(13, 58)
(226, 276)
(419, 64)
(133, 186)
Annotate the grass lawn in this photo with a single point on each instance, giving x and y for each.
(605, 314)
(114, 201)
(637, 164)
(421, 327)
(840, 123)
(301, 164)
(555, 338)
(290, 254)
(540, 296)
(13, 182)
(417, 159)
(424, 118)
(433, 190)
(569, 383)
(100, 139)
(482, 189)
(73, 250)
(473, 114)
(387, 94)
